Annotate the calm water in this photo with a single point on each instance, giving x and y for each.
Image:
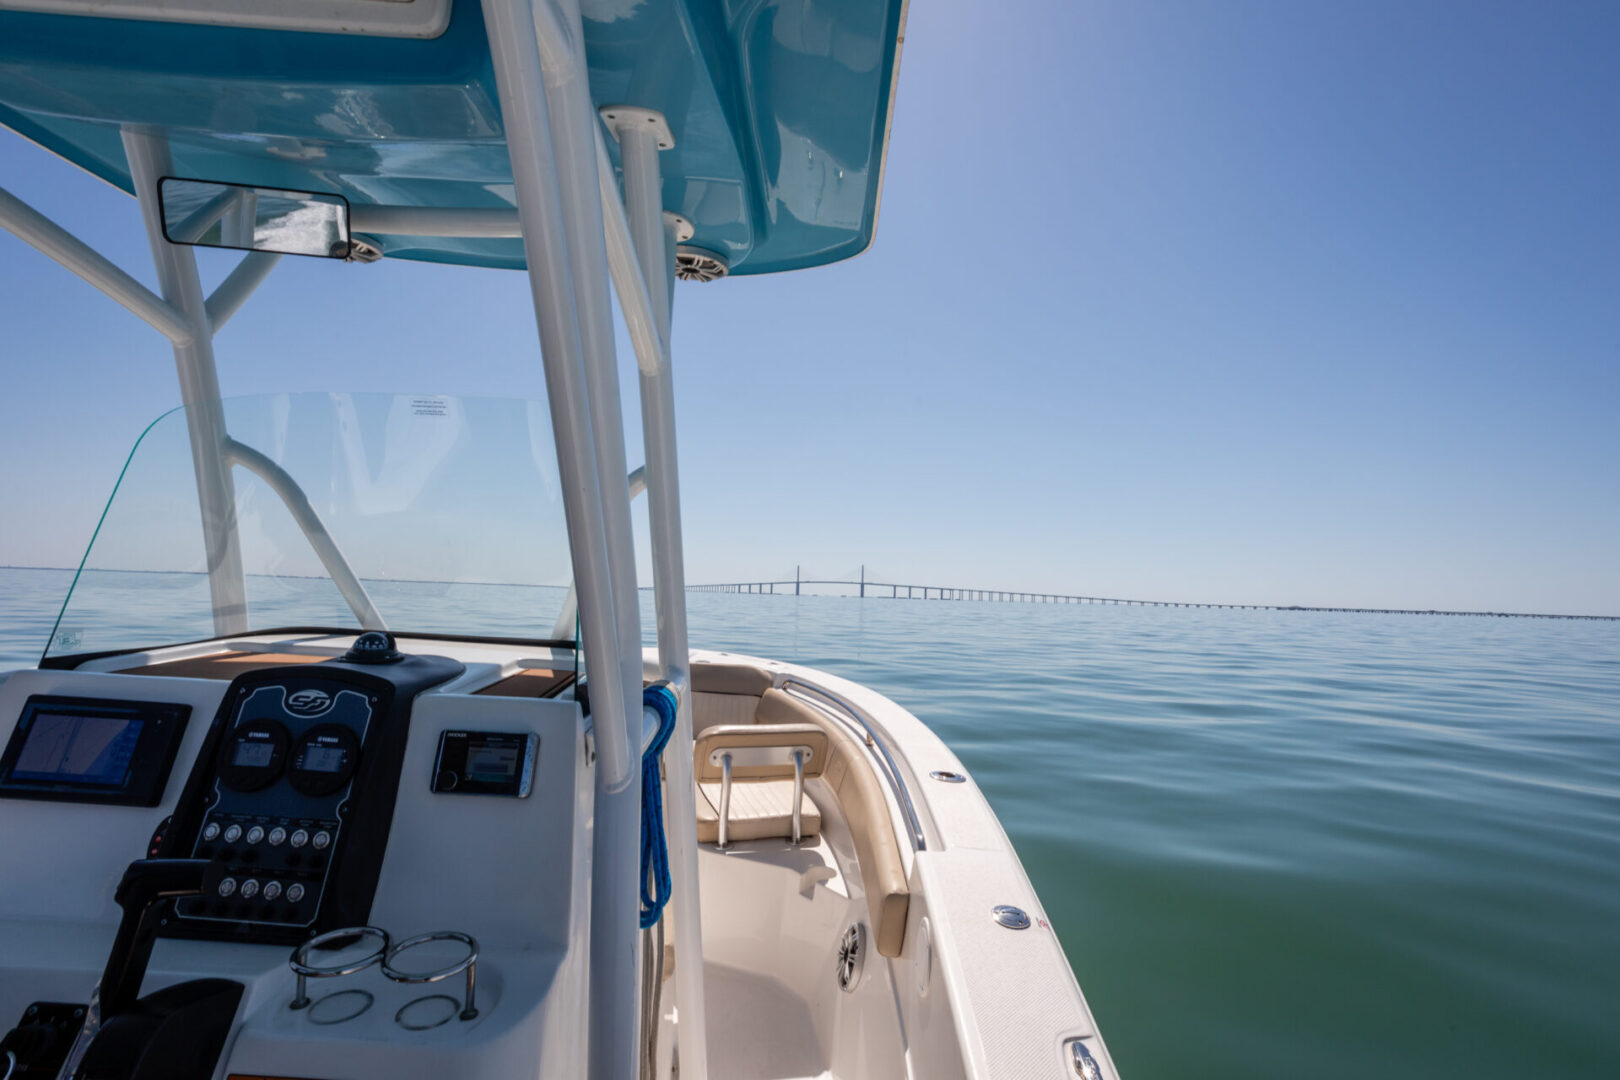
(1275, 845)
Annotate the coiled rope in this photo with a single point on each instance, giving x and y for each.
(655, 886)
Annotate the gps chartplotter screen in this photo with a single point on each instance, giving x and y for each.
(87, 750)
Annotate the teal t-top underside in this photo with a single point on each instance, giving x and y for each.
(779, 109)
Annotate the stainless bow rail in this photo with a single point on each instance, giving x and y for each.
(891, 771)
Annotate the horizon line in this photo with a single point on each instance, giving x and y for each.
(1023, 595)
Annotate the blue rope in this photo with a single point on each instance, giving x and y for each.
(655, 885)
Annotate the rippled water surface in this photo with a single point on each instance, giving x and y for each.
(1275, 845)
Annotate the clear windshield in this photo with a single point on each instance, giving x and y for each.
(444, 514)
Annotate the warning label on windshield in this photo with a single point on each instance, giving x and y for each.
(429, 406)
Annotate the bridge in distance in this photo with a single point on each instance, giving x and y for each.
(888, 590)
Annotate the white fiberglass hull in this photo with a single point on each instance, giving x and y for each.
(967, 995)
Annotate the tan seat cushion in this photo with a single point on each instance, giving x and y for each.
(726, 693)
(710, 710)
(745, 737)
(723, 678)
(860, 795)
(760, 810)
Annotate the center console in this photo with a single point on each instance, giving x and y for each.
(235, 839)
(292, 798)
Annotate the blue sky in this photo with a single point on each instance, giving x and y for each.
(1252, 302)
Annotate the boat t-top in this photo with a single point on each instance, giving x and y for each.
(345, 758)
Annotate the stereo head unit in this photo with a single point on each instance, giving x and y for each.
(485, 763)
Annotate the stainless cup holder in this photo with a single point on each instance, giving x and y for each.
(468, 963)
(415, 1015)
(299, 961)
(340, 1006)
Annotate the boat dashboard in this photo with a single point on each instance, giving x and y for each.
(176, 824)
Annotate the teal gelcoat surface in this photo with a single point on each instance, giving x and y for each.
(779, 108)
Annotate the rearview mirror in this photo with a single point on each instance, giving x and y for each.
(207, 214)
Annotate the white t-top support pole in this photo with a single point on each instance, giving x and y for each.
(199, 388)
(615, 1033)
(555, 231)
(229, 296)
(309, 522)
(641, 134)
(573, 133)
(34, 228)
